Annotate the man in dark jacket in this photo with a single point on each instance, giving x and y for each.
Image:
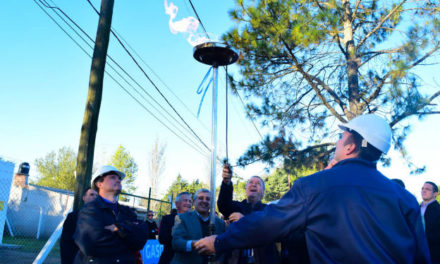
(430, 209)
(350, 213)
(234, 210)
(152, 226)
(108, 232)
(183, 204)
(68, 248)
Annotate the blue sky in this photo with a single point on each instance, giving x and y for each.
(44, 81)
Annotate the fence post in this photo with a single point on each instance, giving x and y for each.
(149, 198)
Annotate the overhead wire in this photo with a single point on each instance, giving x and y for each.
(132, 49)
(160, 105)
(198, 17)
(160, 79)
(152, 105)
(206, 32)
(153, 84)
(194, 145)
(117, 64)
(241, 100)
(152, 98)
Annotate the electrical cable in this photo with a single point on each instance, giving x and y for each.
(200, 21)
(253, 123)
(154, 85)
(160, 80)
(117, 64)
(142, 105)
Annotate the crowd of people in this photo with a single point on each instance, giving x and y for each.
(346, 213)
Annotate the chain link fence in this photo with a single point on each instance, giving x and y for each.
(30, 214)
(144, 204)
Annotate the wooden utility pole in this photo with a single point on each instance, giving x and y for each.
(89, 127)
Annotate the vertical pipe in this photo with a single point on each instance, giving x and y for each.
(149, 198)
(40, 223)
(213, 143)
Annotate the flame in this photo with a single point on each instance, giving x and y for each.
(187, 25)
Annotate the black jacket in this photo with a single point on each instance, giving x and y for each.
(99, 245)
(68, 248)
(266, 253)
(165, 238)
(432, 230)
(350, 213)
(152, 227)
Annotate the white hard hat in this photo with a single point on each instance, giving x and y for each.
(104, 169)
(374, 129)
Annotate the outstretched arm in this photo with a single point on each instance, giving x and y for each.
(224, 202)
(250, 231)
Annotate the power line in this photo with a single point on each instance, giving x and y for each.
(172, 123)
(248, 114)
(152, 83)
(142, 105)
(200, 21)
(241, 100)
(117, 64)
(160, 80)
(126, 42)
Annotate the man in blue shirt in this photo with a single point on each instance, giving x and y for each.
(349, 213)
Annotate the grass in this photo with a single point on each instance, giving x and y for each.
(31, 244)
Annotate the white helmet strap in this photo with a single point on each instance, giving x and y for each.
(364, 143)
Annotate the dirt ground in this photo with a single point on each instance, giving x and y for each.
(14, 256)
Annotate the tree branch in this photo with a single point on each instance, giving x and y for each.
(380, 24)
(406, 114)
(310, 79)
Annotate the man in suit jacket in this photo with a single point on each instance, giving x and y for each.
(183, 204)
(192, 226)
(68, 248)
(430, 210)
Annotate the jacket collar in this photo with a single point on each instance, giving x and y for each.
(102, 204)
(356, 160)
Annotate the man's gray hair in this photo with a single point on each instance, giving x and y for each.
(203, 190)
(180, 195)
(261, 182)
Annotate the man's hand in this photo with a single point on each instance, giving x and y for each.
(111, 227)
(205, 245)
(234, 217)
(227, 173)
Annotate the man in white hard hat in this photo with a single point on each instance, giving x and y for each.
(349, 213)
(108, 232)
